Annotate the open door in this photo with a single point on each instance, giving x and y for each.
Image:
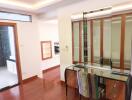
(10, 71)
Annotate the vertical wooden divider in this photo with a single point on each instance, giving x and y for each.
(101, 38)
(80, 41)
(123, 18)
(72, 43)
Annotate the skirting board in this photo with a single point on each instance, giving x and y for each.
(54, 67)
(30, 79)
(62, 82)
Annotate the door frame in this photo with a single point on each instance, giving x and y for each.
(18, 64)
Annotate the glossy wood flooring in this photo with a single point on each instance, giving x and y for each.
(48, 88)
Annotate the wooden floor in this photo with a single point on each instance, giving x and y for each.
(48, 88)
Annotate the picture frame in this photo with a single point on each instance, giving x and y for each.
(46, 50)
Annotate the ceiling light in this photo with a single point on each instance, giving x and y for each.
(29, 6)
(45, 3)
(16, 3)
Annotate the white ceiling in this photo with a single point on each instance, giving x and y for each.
(50, 7)
(35, 6)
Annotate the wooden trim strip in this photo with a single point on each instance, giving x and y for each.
(18, 63)
(123, 18)
(80, 41)
(30, 79)
(101, 37)
(49, 69)
(91, 36)
(72, 43)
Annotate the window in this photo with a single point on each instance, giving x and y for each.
(15, 17)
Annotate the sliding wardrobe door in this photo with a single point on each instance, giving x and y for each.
(128, 38)
(115, 41)
(96, 41)
(106, 40)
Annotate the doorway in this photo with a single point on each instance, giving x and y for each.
(10, 72)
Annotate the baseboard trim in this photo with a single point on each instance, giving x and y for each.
(62, 82)
(30, 79)
(9, 87)
(54, 67)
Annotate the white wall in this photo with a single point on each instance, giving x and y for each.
(29, 36)
(65, 43)
(48, 31)
(29, 48)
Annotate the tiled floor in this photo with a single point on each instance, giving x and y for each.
(7, 78)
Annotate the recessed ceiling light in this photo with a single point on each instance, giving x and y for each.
(44, 3)
(40, 4)
(16, 3)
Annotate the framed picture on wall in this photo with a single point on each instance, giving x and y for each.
(46, 50)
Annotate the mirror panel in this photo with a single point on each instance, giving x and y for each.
(106, 41)
(128, 37)
(115, 41)
(96, 41)
(76, 41)
(89, 41)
